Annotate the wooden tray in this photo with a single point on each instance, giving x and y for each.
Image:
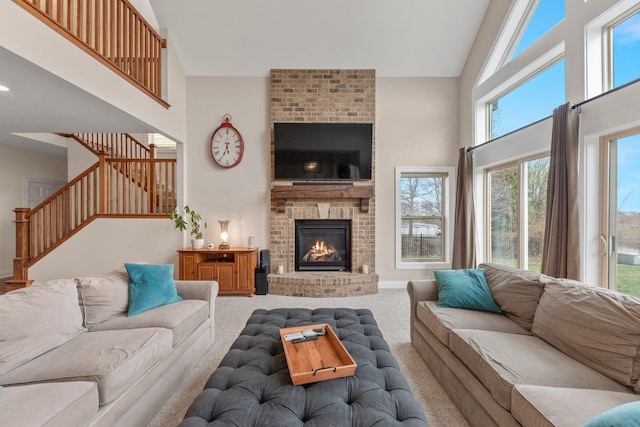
(318, 360)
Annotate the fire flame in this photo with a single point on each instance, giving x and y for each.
(320, 251)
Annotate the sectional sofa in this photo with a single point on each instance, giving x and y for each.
(558, 354)
(71, 355)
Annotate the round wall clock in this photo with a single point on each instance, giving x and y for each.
(227, 146)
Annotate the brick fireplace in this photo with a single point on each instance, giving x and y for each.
(315, 96)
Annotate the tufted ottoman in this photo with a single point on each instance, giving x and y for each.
(252, 387)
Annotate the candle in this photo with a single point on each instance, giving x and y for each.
(365, 269)
(280, 269)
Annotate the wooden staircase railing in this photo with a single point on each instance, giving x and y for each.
(101, 191)
(117, 145)
(113, 32)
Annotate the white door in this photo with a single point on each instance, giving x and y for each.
(40, 189)
(620, 224)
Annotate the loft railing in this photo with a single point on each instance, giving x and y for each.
(110, 188)
(117, 145)
(113, 32)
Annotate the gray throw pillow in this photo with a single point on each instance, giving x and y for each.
(104, 296)
(37, 319)
(516, 291)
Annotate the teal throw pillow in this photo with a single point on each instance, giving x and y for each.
(465, 288)
(150, 286)
(627, 415)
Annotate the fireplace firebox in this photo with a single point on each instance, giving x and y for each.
(322, 245)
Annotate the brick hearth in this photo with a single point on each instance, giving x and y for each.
(314, 96)
(323, 284)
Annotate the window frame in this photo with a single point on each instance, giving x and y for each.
(607, 47)
(482, 130)
(522, 259)
(508, 89)
(448, 205)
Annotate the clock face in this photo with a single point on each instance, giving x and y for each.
(227, 146)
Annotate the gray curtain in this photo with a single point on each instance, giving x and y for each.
(561, 248)
(464, 247)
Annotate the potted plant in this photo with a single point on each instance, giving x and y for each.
(194, 220)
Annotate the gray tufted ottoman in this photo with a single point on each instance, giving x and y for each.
(252, 387)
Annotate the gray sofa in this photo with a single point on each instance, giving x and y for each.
(70, 355)
(560, 353)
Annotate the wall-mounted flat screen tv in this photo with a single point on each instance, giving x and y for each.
(323, 151)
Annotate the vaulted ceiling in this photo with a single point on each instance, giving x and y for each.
(397, 38)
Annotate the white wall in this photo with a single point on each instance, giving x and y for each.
(22, 34)
(108, 243)
(613, 112)
(16, 165)
(240, 194)
(416, 125)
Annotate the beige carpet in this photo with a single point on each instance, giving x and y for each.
(390, 308)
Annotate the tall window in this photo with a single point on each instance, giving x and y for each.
(422, 215)
(546, 15)
(620, 204)
(517, 208)
(524, 105)
(625, 51)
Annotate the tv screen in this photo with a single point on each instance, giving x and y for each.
(323, 151)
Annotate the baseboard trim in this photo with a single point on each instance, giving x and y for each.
(393, 284)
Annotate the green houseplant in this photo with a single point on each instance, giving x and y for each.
(192, 219)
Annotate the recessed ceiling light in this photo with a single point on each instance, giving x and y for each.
(4, 88)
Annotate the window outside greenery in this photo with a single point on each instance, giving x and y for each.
(625, 50)
(546, 15)
(627, 212)
(422, 226)
(507, 206)
(524, 104)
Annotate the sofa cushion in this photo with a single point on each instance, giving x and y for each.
(182, 318)
(600, 328)
(441, 320)
(150, 286)
(627, 415)
(72, 403)
(501, 361)
(103, 296)
(516, 292)
(113, 359)
(465, 288)
(37, 319)
(558, 406)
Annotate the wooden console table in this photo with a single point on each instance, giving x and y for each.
(232, 268)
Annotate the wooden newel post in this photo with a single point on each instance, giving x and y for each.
(23, 240)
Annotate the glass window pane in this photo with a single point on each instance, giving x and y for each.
(524, 105)
(421, 195)
(546, 15)
(626, 50)
(504, 216)
(628, 216)
(537, 177)
(421, 206)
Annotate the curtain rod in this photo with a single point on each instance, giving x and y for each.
(615, 89)
(507, 134)
(578, 105)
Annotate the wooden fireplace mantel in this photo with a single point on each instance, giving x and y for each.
(283, 192)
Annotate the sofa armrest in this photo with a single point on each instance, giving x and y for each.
(420, 290)
(197, 289)
(205, 290)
